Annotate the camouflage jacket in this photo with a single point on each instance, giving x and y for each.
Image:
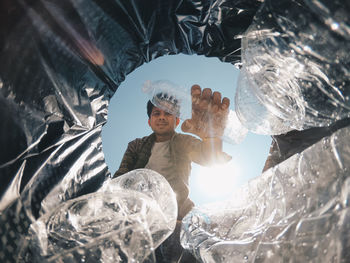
(184, 149)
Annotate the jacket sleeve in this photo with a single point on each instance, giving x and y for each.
(205, 153)
(129, 159)
(194, 149)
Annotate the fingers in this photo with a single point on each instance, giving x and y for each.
(205, 99)
(225, 103)
(209, 113)
(196, 91)
(216, 98)
(206, 96)
(216, 101)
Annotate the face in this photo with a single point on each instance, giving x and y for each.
(162, 123)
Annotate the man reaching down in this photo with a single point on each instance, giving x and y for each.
(170, 153)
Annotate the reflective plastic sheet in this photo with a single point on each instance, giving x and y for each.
(295, 66)
(61, 61)
(297, 211)
(123, 221)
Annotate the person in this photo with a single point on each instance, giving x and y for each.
(171, 153)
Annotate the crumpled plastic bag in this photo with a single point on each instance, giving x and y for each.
(124, 221)
(295, 72)
(297, 211)
(62, 61)
(294, 76)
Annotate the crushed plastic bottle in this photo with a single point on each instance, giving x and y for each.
(123, 222)
(150, 183)
(176, 100)
(169, 97)
(62, 62)
(288, 57)
(297, 211)
(234, 132)
(295, 75)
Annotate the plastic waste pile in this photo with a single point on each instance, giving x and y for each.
(127, 218)
(294, 76)
(297, 211)
(63, 60)
(294, 67)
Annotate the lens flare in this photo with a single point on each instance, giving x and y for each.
(217, 181)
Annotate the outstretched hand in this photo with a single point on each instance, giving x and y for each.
(209, 113)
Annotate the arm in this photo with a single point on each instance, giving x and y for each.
(273, 157)
(206, 152)
(129, 160)
(209, 117)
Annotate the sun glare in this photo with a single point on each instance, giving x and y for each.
(217, 181)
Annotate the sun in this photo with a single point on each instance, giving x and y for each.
(217, 181)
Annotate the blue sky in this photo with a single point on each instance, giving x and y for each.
(127, 120)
